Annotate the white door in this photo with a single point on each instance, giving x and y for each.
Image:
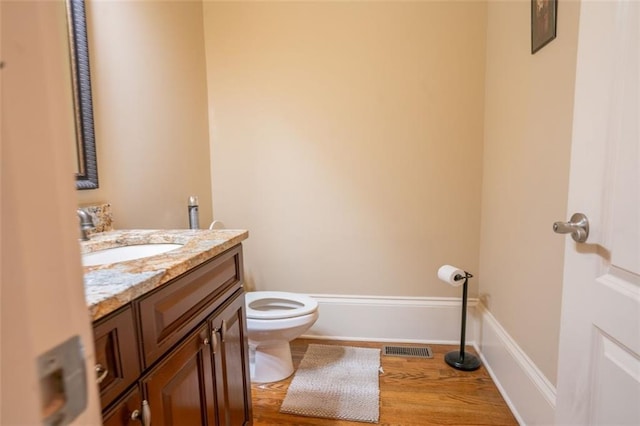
(42, 303)
(599, 362)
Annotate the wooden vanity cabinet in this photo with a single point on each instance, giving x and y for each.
(205, 380)
(197, 373)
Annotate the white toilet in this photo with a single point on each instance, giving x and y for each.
(274, 318)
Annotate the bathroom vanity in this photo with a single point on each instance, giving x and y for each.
(170, 330)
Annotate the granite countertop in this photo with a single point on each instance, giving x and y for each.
(108, 287)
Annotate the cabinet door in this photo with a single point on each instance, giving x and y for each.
(180, 389)
(122, 412)
(231, 363)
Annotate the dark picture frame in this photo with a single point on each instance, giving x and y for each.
(544, 18)
(87, 175)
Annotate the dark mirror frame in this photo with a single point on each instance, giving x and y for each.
(87, 177)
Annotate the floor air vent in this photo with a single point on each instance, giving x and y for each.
(408, 351)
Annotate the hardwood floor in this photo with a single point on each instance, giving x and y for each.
(413, 391)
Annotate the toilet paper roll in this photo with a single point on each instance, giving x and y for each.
(447, 273)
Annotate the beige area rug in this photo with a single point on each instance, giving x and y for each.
(336, 382)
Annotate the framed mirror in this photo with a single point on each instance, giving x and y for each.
(87, 164)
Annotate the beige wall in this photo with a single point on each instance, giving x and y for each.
(528, 110)
(150, 105)
(347, 137)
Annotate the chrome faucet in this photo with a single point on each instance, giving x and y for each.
(86, 224)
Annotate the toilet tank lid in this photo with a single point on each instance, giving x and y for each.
(278, 304)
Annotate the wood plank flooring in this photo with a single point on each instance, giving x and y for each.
(413, 391)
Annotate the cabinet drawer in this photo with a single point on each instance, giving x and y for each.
(169, 313)
(117, 361)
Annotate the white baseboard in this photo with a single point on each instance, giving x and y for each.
(437, 320)
(392, 319)
(529, 394)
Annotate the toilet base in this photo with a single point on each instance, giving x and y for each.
(270, 363)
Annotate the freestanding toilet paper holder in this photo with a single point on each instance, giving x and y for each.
(463, 360)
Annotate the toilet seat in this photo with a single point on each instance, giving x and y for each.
(272, 305)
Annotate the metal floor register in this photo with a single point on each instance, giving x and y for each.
(408, 351)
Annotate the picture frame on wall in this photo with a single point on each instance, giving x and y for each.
(543, 23)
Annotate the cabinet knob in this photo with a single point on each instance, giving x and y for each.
(206, 341)
(143, 416)
(101, 372)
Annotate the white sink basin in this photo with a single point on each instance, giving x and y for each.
(124, 253)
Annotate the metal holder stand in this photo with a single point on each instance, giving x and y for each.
(463, 360)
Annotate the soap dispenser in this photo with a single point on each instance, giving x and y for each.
(193, 213)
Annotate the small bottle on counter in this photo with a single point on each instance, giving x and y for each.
(193, 213)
